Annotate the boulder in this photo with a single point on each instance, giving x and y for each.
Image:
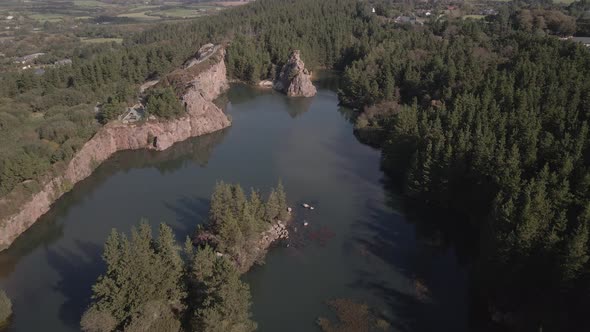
(265, 84)
(294, 79)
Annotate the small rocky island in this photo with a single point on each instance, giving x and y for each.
(150, 284)
(242, 227)
(294, 79)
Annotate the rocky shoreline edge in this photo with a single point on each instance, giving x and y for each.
(201, 85)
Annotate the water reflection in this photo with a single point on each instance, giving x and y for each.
(358, 243)
(240, 93)
(348, 114)
(196, 149)
(47, 229)
(43, 233)
(298, 106)
(78, 267)
(323, 80)
(327, 79)
(435, 260)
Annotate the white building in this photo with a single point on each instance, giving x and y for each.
(132, 114)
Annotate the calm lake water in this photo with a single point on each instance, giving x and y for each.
(358, 244)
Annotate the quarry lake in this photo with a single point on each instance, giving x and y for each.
(358, 243)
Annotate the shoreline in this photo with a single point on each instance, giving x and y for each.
(203, 117)
(246, 259)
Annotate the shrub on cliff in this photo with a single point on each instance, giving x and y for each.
(5, 306)
(110, 111)
(163, 103)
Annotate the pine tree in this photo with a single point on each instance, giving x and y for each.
(225, 302)
(272, 206)
(170, 265)
(576, 251)
(282, 202)
(139, 271)
(256, 205)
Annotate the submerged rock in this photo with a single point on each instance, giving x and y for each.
(294, 79)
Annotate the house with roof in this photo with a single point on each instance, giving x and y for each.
(28, 58)
(402, 19)
(133, 114)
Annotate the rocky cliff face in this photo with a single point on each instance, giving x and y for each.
(203, 117)
(295, 79)
(276, 231)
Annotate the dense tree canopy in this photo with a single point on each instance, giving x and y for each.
(109, 76)
(237, 220)
(488, 118)
(150, 285)
(143, 274)
(492, 123)
(221, 299)
(163, 103)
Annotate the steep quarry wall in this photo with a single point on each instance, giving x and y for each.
(197, 88)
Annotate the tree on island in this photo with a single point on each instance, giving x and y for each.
(150, 286)
(143, 275)
(238, 220)
(221, 299)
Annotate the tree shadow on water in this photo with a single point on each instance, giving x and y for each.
(405, 306)
(384, 240)
(190, 212)
(78, 269)
(424, 289)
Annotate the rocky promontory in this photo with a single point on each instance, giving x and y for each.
(294, 79)
(196, 86)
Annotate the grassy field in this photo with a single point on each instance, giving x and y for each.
(83, 22)
(150, 12)
(91, 3)
(178, 13)
(47, 17)
(49, 11)
(230, 3)
(101, 40)
(143, 8)
(474, 17)
(142, 16)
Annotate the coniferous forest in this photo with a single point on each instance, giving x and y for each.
(487, 119)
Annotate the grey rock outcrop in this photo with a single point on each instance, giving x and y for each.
(294, 79)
